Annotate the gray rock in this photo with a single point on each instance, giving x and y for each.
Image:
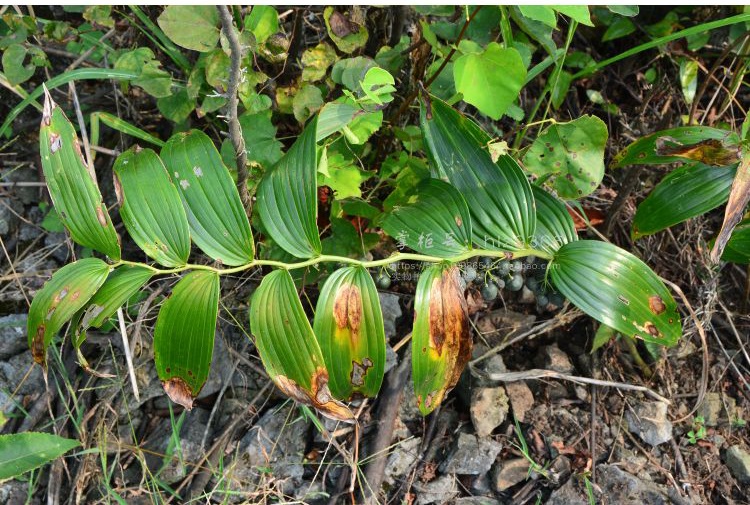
(401, 459)
(391, 312)
(12, 335)
(439, 491)
(555, 359)
(26, 194)
(625, 489)
(408, 410)
(715, 409)
(510, 473)
(568, 494)
(476, 500)
(470, 455)
(221, 368)
(391, 358)
(649, 421)
(178, 460)
(16, 493)
(9, 211)
(521, 398)
(738, 461)
(489, 408)
(58, 246)
(12, 373)
(481, 485)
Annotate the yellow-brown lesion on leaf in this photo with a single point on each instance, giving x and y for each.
(359, 371)
(179, 392)
(37, 345)
(656, 305)
(319, 396)
(100, 216)
(347, 310)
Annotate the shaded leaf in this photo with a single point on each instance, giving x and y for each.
(498, 195)
(23, 452)
(341, 174)
(441, 340)
(433, 220)
(260, 139)
(288, 347)
(603, 335)
(344, 32)
(154, 80)
(541, 13)
(193, 27)
(184, 336)
(288, 198)
(684, 193)
(739, 196)
(620, 27)
(737, 249)
(334, 116)
(316, 60)
(69, 289)
(217, 220)
(617, 289)
(13, 68)
(150, 207)
(554, 225)
(571, 155)
(263, 21)
(349, 327)
(578, 12)
(72, 184)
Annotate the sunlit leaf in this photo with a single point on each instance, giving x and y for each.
(193, 27)
(184, 336)
(554, 225)
(72, 184)
(150, 207)
(288, 347)
(498, 195)
(23, 452)
(441, 340)
(349, 327)
(218, 222)
(617, 289)
(61, 297)
(433, 220)
(288, 198)
(686, 192)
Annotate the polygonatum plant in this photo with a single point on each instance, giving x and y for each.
(471, 206)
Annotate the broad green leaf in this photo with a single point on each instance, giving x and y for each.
(571, 154)
(61, 297)
(378, 86)
(184, 336)
(316, 60)
(620, 27)
(617, 289)
(686, 192)
(737, 249)
(177, 106)
(150, 207)
(288, 198)
(72, 184)
(23, 452)
(349, 327)
(341, 174)
(554, 226)
(578, 12)
(288, 347)
(263, 21)
(624, 10)
(193, 27)
(441, 339)
(498, 195)
(490, 80)
(155, 81)
(349, 72)
(538, 31)
(541, 13)
(333, 117)
(679, 144)
(260, 139)
(345, 240)
(307, 101)
(218, 223)
(344, 32)
(433, 220)
(13, 68)
(688, 79)
(603, 335)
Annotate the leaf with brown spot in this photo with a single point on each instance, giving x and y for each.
(55, 304)
(349, 328)
(739, 196)
(709, 152)
(441, 340)
(179, 392)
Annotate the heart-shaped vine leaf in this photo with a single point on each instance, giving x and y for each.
(23, 452)
(150, 207)
(571, 155)
(498, 195)
(61, 297)
(433, 220)
(184, 336)
(617, 289)
(72, 183)
(441, 340)
(218, 222)
(688, 191)
(288, 347)
(288, 198)
(349, 327)
(554, 226)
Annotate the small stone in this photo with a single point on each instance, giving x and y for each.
(401, 459)
(58, 246)
(568, 494)
(716, 409)
(476, 500)
(439, 491)
(649, 421)
(190, 435)
(9, 215)
(389, 304)
(471, 456)
(621, 487)
(12, 335)
(555, 359)
(738, 461)
(510, 473)
(521, 398)
(481, 485)
(489, 408)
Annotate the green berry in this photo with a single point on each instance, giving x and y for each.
(516, 266)
(503, 268)
(485, 262)
(489, 291)
(500, 283)
(516, 283)
(383, 280)
(533, 284)
(542, 301)
(470, 273)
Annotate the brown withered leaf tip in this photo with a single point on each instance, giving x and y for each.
(710, 152)
(347, 309)
(341, 26)
(318, 397)
(179, 392)
(37, 345)
(656, 305)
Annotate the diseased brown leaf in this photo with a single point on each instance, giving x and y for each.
(739, 196)
(318, 397)
(709, 152)
(179, 392)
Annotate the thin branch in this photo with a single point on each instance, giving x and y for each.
(235, 132)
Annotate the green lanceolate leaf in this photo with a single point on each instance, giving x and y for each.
(349, 327)
(554, 226)
(218, 223)
(711, 146)
(571, 154)
(686, 192)
(23, 452)
(441, 341)
(737, 249)
(433, 220)
(61, 297)
(72, 184)
(617, 289)
(498, 195)
(288, 198)
(288, 347)
(150, 207)
(184, 336)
